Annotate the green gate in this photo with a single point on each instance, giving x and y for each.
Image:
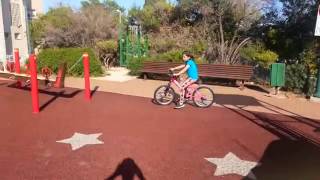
(278, 71)
(132, 44)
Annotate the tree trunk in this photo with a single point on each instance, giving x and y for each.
(222, 42)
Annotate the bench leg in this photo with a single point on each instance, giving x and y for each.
(242, 85)
(145, 77)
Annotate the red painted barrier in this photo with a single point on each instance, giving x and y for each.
(34, 84)
(86, 65)
(17, 60)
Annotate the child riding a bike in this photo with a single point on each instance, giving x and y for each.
(190, 67)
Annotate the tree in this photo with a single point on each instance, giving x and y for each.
(153, 15)
(62, 27)
(293, 32)
(110, 5)
(226, 23)
(57, 18)
(257, 54)
(88, 3)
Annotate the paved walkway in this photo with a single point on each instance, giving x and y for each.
(118, 135)
(248, 99)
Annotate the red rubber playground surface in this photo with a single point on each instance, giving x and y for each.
(146, 140)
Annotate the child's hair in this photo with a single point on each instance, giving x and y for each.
(187, 53)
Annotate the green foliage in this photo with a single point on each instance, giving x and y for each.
(108, 46)
(135, 64)
(308, 58)
(256, 53)
(296, 77)
(198, 47)
(170, 56)
(299, 80)
(88, 3)
(152, 15)
(289, 31)
(52, 58)
(163, 45)
(108, 4)
(58, 18)
(147, 15)
(37, 28)
(113, 5)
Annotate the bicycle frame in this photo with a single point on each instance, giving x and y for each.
(188, 90)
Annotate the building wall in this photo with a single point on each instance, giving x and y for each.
(14, 28)
(2, 33)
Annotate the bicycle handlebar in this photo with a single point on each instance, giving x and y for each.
(171, 73)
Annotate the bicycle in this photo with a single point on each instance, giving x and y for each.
(201, 96)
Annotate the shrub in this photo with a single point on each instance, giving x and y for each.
(170, 56)
(257, 54)
(108, 47)
(296, 77)
(299, 80)
(135, 64)
(52, 58)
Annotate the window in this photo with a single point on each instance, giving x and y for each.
(18, 36)
(16, 15)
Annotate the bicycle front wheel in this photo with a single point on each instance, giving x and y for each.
(164, 95)
(203, 97)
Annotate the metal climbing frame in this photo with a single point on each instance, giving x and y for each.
(132, 44)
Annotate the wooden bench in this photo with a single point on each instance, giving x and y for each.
(232, 72)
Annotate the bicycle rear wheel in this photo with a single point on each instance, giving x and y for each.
(164, 95)
(203, 97)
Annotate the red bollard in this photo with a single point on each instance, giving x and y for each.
(34, 84)
(17, 60)
(86, 67)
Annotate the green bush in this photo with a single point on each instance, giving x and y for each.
(52, 58)
(170, 56)
(109, 46)
(198, 47)
(299, 80)
(135, 64)
(258, 54)
(296, 77)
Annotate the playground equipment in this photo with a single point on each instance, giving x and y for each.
(13, 71)
(132, 44)
(32, 78)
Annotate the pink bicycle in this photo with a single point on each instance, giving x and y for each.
(201, 96)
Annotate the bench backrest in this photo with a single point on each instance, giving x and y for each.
(239, 72)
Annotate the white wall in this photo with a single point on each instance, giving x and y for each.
(14, 28)
(3, 29)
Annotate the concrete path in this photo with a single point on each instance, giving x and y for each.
(251, 100)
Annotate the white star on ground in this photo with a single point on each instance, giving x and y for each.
(231, 164)
(79, 140)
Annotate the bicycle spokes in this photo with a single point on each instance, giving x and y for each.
(203, 97)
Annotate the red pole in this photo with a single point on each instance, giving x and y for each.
(86, 66)
(17, 60)
(34, 84)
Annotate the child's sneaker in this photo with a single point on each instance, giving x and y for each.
(180, 105)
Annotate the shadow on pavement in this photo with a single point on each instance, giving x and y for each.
(296, 155)
(56, 93)
(257, 88)
(240, 101)
(127, 169)
(94, 90)
(286, 159)
(236, 100)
